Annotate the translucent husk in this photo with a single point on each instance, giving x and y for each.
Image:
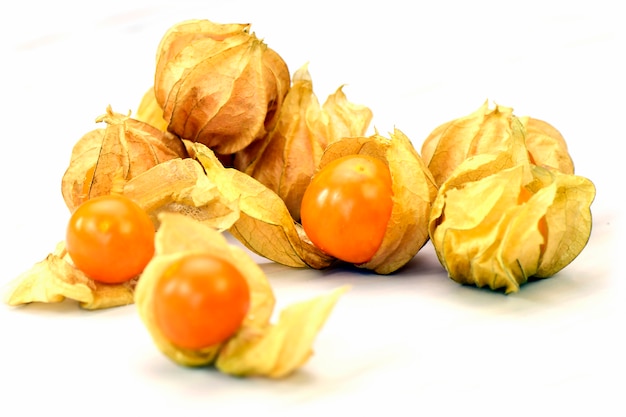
(150, 112)
(546, 145)
(260, 347)
(175, 186)
(524, 221)
(123, 150)
(286, 159)
(55, 279)
(414, 190)
(264, 224)
(243, 72)
(266, 227)
(489, 130)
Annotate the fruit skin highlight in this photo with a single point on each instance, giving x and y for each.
(110, 238)
(346, 207)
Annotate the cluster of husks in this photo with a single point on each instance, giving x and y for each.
(261, 135)
(509, 207)
(227, 138)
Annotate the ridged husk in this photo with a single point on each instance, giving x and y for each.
(414, 190)
(486, 231)
(286, 159)
(122, 150)
(218, 84)
(489, 130)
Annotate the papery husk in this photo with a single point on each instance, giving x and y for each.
(104, 158)
(174, 186)
(55, 279)
(286, 159)
(178, 236)
(181, 186)
(546, 145)
(279, 349)
(265, 225)
(150, 112)
(485, 233)
(414, 190)
(259, 348)
(490, 130)
(219, 84)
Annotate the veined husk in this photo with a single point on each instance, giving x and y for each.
(149, 111)
(414, 190)
(103, 157)
(219, 84)
(285, 160)
(497, 223)
(175, 186)
(260, 347)
(546, 145)
(264, 224)
(266, 227)
(55, 279)
(489, 130)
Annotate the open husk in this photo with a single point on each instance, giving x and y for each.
(55, 278)
(413, 189)
(266, 227)
(264, 224)
(260, 347)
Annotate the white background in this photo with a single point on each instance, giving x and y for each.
(415, 343)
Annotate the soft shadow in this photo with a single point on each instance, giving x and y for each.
(67, 307)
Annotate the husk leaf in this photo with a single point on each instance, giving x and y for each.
(278, 350)
(499, 241)
(55, 279)
(264, 225)
(244, 74)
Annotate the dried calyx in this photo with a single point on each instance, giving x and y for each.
(207, 72)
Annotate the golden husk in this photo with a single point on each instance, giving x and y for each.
(264, 224)
(414, 190)
(104, 158)
(486, 232)
(285, 160)
(55, 279)
(206, 73)
(490, 130)
(259, 348)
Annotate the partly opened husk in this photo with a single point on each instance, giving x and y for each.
(498, 223)
(259, 348)
(413, 193)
